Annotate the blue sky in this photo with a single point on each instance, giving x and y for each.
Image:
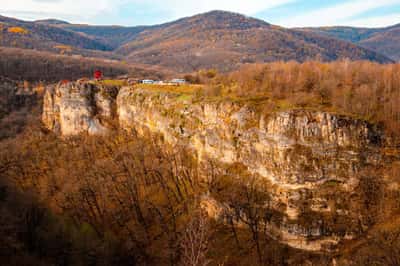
(289, 13)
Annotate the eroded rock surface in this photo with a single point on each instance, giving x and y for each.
(79, 108)
(311, 160)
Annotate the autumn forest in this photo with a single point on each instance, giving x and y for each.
(213, 140)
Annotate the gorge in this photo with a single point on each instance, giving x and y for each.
(312, 163)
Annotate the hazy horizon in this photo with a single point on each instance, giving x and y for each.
(287, 13)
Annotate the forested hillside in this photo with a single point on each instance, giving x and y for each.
(113, 36)
(363, 89)
(217, 39)
(226, 41)
(383, 40)
(123, 199)
(23, 64)
(279, 146)
(30, 35)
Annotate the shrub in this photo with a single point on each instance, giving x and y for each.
(363, 89)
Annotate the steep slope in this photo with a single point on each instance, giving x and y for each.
(304, 158)
(226, 40)
(385, 41)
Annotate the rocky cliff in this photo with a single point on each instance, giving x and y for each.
(311, 161)
(72, 109)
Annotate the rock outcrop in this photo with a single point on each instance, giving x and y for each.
(79, 108)
(311, 160)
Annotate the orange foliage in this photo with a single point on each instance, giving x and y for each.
(363, 89)
(18, 30)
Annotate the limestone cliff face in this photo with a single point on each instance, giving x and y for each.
(311, 160)
(287, 147)
(78, 108)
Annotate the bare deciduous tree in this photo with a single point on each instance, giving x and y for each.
(194, 243)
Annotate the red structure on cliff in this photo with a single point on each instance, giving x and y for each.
(98, 74)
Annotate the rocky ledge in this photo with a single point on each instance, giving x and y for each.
(311, 160)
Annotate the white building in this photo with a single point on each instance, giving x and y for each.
(178, 81)
(147, 81)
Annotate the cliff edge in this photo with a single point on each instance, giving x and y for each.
(311, 161)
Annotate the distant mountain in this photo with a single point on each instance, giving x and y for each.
(345, 33)
(217, 39)
(111, 36)
(49, 33)
(225, 40)
(386, 42)
(382, 40)
(43, 36)
(51, 22)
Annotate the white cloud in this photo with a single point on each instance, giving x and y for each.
(379, 21)
(181, 8)
(84, 10)
(89, 11)
(75, 9)
(335, 15)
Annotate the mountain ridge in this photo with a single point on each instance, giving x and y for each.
(225, 40)
(384, 40)
(36, 35)
(216, 39)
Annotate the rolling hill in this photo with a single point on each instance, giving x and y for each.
(217, 39)
(31, 35)
(225, 40)
(385, 41)
(44, 37)
(111, 36)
